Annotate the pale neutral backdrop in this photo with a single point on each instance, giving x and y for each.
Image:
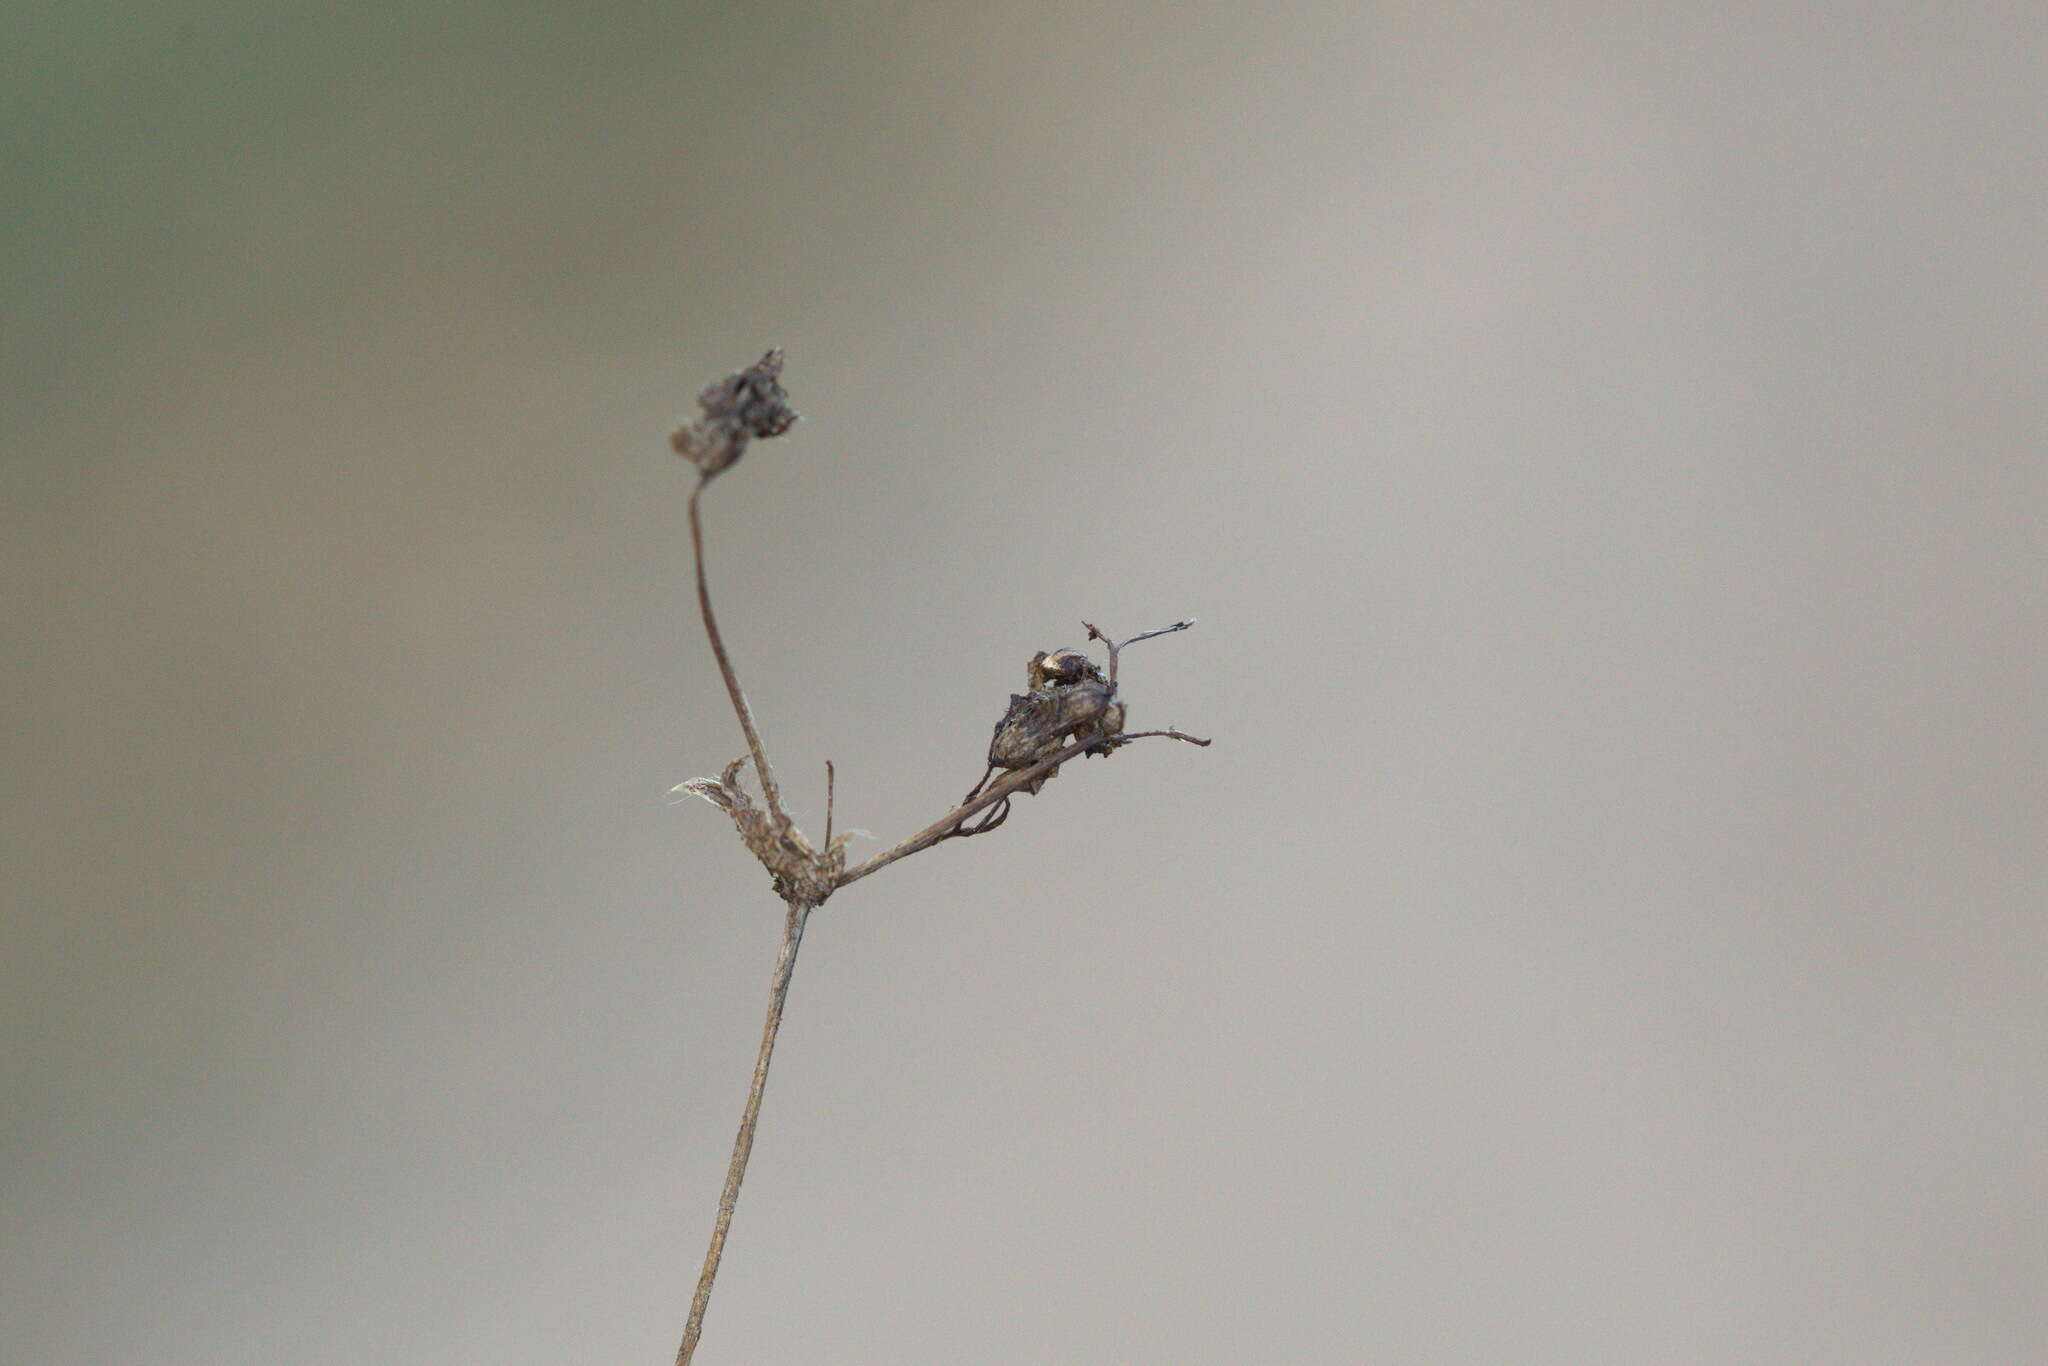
(1603, 446)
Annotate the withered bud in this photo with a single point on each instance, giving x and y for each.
(1069, 698)
(747, 404)
(1090, 705)
(1058, 667)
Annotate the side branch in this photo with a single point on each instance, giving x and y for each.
(995, 792)
(743, 1146)
(1116, 647)
(732, 681)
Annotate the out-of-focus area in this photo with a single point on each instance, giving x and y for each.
(1602, 446)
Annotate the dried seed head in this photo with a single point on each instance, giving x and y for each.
(1030, 730)
(744, 405)
(1070, 701)
(1069, 698)
(1089, 705)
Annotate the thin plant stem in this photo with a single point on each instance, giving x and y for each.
(1116, 647)
(743, 1146)
(732, 681)
(995, 792)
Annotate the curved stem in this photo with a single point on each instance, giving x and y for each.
(743, 1146)
(732, 681)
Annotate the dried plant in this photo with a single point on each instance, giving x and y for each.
(1070, 707)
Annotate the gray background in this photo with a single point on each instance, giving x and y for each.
(1602, 445)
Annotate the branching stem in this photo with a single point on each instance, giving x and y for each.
(743, 407)
(1116, 647)
(989, 796)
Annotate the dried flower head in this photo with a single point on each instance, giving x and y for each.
(1069, 698)
(738, 408)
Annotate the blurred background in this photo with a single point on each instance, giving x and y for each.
(1602, 445)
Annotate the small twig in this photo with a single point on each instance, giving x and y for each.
(993, 793)
(829, 783)
(1116, 647)
(743, 1146)
(1167, 734)
(732, 681)
(995, 816)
